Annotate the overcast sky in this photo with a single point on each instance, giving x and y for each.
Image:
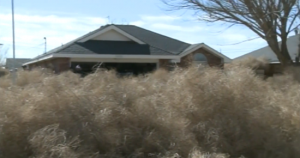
(63, 20)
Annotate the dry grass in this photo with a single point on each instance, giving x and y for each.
(195, 113)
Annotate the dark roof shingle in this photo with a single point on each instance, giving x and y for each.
(112, 47)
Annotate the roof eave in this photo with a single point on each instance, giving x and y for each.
(104, 56)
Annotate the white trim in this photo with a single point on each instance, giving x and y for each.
(202, 45)
(41, 59)
(104, 56)
(109, 28)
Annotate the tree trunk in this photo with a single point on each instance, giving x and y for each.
(282, 52)
(287, 60)
(285, 53)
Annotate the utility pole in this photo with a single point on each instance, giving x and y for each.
(297, 34)
(13, 36)
(45, 44)
(298, 54)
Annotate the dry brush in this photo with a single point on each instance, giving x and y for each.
(195, 112)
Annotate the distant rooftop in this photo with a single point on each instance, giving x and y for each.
(18, 62)
(266, 52)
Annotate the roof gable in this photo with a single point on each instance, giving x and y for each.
(156, 40)
(113, 31)
(111, 35)
(196, 47)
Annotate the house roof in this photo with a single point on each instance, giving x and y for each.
(266, 52)
(159, 44)
(18, 62)
(144, 42)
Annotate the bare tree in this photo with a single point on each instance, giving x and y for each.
(272, 20)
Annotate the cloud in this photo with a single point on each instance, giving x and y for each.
(176, 27)
(31, 29)
(164, 18)
(138, 23)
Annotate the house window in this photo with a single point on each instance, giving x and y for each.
(200, 58)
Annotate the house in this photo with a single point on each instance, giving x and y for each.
(274, 67)
(127, 49)
(17, 62)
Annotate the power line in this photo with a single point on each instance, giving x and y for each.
(24, 44)
(251, 39)
(39, 45)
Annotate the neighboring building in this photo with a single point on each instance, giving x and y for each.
(274, 64)
(128, 49)
(17, 62)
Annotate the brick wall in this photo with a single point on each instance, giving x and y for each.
(57, 65)
(61, 65)
(164, 64)
(212, 59)
(187, 60)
